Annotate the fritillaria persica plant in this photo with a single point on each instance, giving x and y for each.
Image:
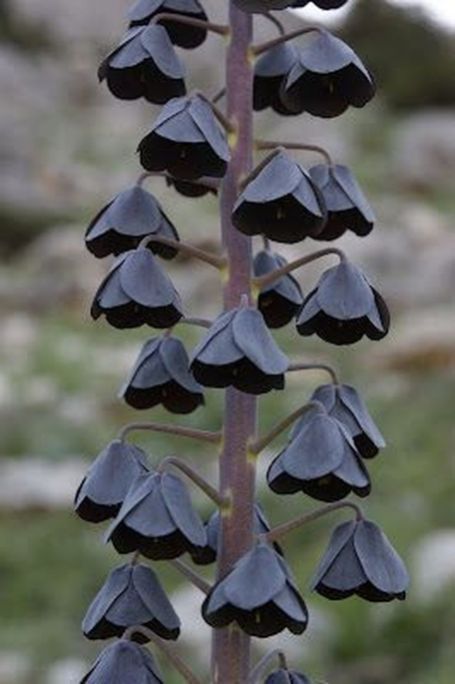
(199, 148)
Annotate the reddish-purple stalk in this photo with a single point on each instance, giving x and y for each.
(231, 647)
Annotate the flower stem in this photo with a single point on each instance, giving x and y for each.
(281, 530)
(192, 576)
(295, 367)
(262, 665)
(231, 647)
(178, 430)
(209, 183)
(275, 21)
(168, 650)
(269, 278)
(194, 476)
(272, 145)
(260, 444)
(189, 250)
(263, 47)
(220, 29)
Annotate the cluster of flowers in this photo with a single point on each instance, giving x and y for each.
(151, 510)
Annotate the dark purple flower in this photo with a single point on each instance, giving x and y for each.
(131, 596)
(343, 308)
(239, 351)
(161, 375)
(102, 491)
(283, 676)
(269, 73)
(137, 291)
(157, 519)
(259, 594)
(281, 202)
(125, 221)
(124, 661)
(144, 65)
(344, 403)
(183, 35)
(328, 78)
(360, 560)
(322, 4)
(209, 554)
(347, 206)
(320, 460)
(186, 141)
(280, 301)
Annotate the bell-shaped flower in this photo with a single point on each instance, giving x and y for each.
(183, 35)
(284, 676)
(328, 78)
(270, 71)
(123, 223)
(186, 140)
(239, 351)
(322, 4)
(344, 307)
(360, 560)
(345, 404)
(124, 661)
(281, 202)
(347, 206)
(102, 491)
(137, 291)
(144, 65)
(209, 554)
(131, 597)
(280, 301)
(259, 594)
(157, 519)
(320, 460)
(161, 375)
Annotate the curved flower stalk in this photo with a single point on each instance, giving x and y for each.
(199, 149)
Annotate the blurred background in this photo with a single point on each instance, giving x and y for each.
(66, 147)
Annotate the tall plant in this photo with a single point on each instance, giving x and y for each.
(199, 149)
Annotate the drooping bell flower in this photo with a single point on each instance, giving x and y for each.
(186, 140)
(157, 519)
(144, 65)
(347, 206)
(360, 560)
(344, 307)
(104, 488)
(131, 596)
(345, 404)
(183, 35)
(280, 301)
(209, 554)
(259, 594)
(239, 351)
(124, 661)
(123, 223)
(281, 202)
(320, 460)
(270, 71)
(322, 4)
(137, 291)
(328, 78)
(161, 375)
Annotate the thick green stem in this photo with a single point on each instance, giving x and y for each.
(231, 647)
